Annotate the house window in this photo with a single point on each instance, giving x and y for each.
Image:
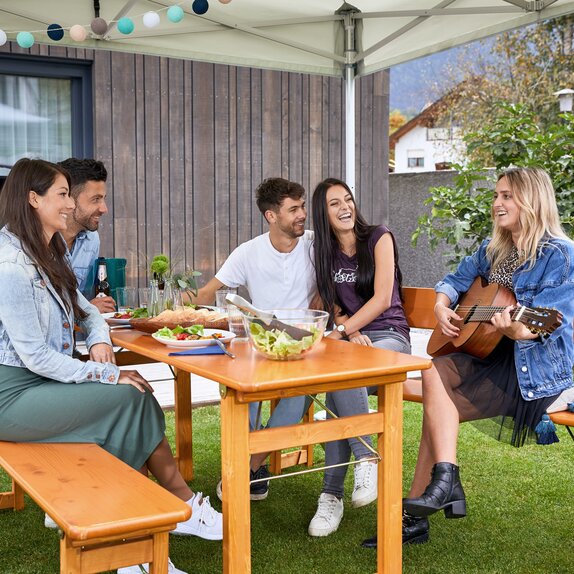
(45, 109)
(416, 162)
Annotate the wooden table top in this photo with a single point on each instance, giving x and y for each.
(250, 372)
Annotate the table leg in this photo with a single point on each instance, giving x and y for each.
(389, 503)
(235, 485)
(183, 434)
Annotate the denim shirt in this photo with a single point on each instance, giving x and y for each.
(543, 366)
(82, 256)
(36, 330)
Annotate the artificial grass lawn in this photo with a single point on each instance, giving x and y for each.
(519, 502)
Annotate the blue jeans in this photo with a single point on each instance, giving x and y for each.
(287, 412)
(355, 402)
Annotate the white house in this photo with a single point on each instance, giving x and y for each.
(422, 145)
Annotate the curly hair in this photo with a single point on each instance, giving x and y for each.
(271, 193)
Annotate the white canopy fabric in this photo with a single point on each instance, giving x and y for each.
(295, 35)
(310, 36)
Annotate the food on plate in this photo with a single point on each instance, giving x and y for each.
(122, 315)
(277, 344)
(193, 333)
(139, 313)
(182, 317)
(187, 315)
(131, 313)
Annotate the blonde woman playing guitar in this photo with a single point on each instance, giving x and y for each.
(529, 368)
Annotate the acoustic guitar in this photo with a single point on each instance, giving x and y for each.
(478, 337)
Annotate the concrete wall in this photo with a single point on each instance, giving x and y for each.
(421, 267)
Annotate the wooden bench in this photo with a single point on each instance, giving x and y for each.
(419, 310)
(109, 515)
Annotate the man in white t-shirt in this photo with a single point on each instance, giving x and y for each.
(277, 270)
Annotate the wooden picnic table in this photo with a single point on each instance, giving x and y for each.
(332, 366)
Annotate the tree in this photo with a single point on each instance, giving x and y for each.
(396, 120)
(524, 66)
(460, 215)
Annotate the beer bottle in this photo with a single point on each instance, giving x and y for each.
(102, 285)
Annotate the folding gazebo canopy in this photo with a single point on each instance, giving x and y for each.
(310, 36)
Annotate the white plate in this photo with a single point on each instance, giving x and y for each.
(109, 317)
(227, 336)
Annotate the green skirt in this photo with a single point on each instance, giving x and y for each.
(119, 418)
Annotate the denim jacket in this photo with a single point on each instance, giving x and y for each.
(36, 330)
(543, 366)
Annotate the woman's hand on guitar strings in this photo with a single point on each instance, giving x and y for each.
(445, 315)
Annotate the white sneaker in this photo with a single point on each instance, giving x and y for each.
(328, 516)
(205, 521)
(144, 569)
(49, 523)
(365, 489)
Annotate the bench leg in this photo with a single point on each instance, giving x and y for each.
(570, 432)
(70, 558)
(13, 499)
(107, 554)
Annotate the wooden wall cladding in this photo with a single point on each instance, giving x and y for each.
(186, 144)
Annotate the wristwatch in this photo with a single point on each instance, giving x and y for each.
(342, 330)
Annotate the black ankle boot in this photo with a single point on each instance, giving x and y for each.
(444, 492)
(415, 531)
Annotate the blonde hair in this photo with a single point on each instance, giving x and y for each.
(533, 193)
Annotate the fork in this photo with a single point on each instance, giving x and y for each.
(222, 346)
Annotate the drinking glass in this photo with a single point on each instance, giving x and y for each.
(236, 325)
(220, 296)
(144, 296)
(126, 298)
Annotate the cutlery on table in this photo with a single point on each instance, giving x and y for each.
(222, 346)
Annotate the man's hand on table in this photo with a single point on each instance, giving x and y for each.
(104, 304)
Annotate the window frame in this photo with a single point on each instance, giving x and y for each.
(79, 72)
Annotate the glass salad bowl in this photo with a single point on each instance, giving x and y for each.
(289, 335)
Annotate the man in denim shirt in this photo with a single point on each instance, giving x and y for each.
(89, 192)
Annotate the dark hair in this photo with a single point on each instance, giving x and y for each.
(271, 193)
(82, 171)
(21, 219)
(326, 245)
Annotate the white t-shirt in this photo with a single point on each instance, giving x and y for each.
(274, 280)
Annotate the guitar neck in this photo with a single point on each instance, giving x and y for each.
(481, 313)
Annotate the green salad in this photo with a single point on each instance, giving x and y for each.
(140, 313)
(278, 344)
(180, 333)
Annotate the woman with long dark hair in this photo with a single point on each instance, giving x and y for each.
(46, 395)
(358, 280)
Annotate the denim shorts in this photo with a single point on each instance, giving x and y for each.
(389, 339)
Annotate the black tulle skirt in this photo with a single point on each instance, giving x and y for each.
(486, 392)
